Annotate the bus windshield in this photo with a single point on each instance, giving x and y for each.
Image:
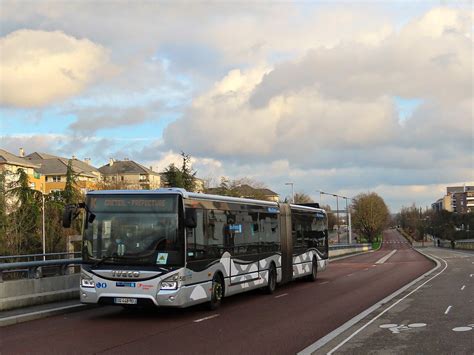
(134, 230)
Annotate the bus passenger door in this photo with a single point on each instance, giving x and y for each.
(244, 250)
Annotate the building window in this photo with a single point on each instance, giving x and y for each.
(122, 178)
(142, 177)
(56, 178)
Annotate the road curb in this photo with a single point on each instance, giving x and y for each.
(350, 255)
(341, 329)
(41, 314)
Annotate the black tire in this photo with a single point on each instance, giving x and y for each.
(217, 292)
(314, 271)
(272, 280)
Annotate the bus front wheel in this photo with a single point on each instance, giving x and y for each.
(217, 292)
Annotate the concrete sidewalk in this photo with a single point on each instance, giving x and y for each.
(432, 316)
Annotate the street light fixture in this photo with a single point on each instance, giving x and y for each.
(292, 191)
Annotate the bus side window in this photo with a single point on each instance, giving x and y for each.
(195, 238)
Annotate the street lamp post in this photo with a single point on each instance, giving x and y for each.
(292, 191)
(348, 221)
(44, 230)
(337, 219)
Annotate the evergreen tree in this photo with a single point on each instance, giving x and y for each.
(24, 223)
(184, 178)
(187, 174)
(3, 213)
(71, 194)
(172, 177)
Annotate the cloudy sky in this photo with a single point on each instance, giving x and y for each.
(345, 97)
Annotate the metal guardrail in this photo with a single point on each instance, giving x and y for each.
(38, 257)
(34, 269)
(348, 246)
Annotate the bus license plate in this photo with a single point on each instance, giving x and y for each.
(120, 300)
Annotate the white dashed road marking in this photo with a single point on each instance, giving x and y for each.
(386, 257)
(448, 309)
(462, 329)
(206, 318)
(282, 295)
(463, 287)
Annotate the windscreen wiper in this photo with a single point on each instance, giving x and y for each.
(104, 259)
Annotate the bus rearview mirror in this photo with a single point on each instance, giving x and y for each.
(191, 218)
(67, 215)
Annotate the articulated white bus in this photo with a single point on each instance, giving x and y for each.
(170, 247)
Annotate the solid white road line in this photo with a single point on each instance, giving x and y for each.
(463, 287)
(206, 318)
(325, 282)
(282, 295)
(386, 257)
(389, 308)
(448, 309)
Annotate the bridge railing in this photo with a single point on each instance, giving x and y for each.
(32, 266)
(38, 257)
(36, 269)
(348, 246)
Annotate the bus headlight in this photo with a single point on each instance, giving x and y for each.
(171, 283)
(87, 281)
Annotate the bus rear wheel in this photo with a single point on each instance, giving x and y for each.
(314, 271)
(272, 279)
(217, 292)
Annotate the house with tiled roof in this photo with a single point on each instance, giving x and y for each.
(128, 174)
(11, 163)
(54, 170)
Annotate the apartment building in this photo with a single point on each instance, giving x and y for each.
(458, 199)
(128, 174)
(11, 163)
(54, 170)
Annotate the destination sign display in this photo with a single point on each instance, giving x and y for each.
(164, 204)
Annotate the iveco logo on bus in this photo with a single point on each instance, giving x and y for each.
(125, 274)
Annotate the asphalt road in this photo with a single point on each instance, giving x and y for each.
(434, 316)
(286, 322)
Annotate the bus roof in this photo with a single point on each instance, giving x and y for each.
(200, 196)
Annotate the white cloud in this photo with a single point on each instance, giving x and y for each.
(40, 67)
(302, 92)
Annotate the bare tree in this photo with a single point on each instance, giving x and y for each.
(331, 216)
(301, 197)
